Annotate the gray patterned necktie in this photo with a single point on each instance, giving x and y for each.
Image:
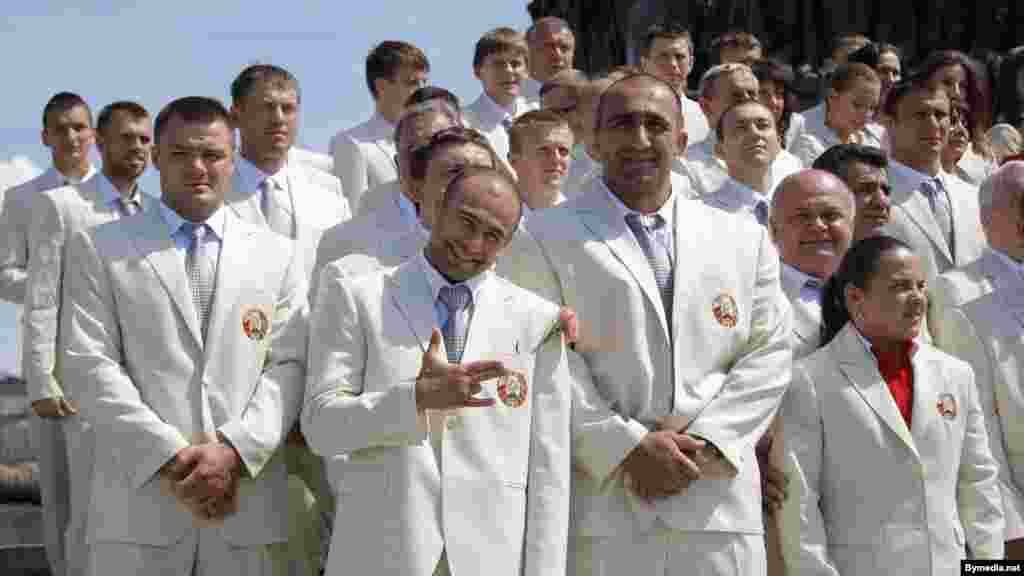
(657, 254)
(457, 300)
(272, 199)
(200, 276)
(127, 206)
(935, 192)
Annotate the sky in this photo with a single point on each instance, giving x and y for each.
(153, 52)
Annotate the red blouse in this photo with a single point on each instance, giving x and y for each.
(898, 373)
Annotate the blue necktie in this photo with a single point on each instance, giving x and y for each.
(456, 299)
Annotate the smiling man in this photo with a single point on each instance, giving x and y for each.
(540, 148)
(865, 171)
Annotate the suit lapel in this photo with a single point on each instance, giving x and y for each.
(489, 311)
(245, 204)
(410, 293)
(805, 325)
(232, 272)
(858, 365)
(927, 387)
(596, 212)
(919, 212)
(154, 243)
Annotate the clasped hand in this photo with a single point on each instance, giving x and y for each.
(204, 480)
(663, 464)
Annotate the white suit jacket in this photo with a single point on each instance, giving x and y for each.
(57, 215)
(708, 173)
(911, 220)
(483, 116)
(498, 502)
(364, 156)
(736, 198)
(728, 374)
(979, 313)
(317, 161)
(15, 216)
(815, 137)
(149, 386)
(317, 208)
(875, 494)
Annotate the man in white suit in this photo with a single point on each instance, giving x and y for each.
(749, 143)
(978, 313)
(190, 353)
(721, 88)
(687, 362)
(124, 135)
(552, 50)
(68, 132)
(811, 223)
(499, 62)
(667, 52)
(364, 155)
(438, 479)
(937, 214)
(294, 201)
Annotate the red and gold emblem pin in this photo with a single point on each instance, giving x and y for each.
(725, 311)
(255, 324)
(512, 389)
(946, 406)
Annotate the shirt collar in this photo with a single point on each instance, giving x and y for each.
(794, 278)
(216, 222)
(251, 177)
(436, 281)
(111, 196)
(1010, 262)
(72, 180)
(912, 177)
(666, 210)
(914, 344)
(407, 210)
(747, 196)
(494, 113)
(387, 128)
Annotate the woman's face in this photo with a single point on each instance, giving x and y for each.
(959, 135)
(853, 109)
(773, 96)
(892, 305)
(953, 78)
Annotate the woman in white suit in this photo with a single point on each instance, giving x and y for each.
(887, 434)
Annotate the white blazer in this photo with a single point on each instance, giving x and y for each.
(315, 160)
(57, 215)
(727, 360)
(316, 207)
(979, 313)
(498, 501)
(708, 172)
(364, 156)
(483, 116)
(875, 494)
(150, 387)
(816, 137)
(15, 216)
(911, 220)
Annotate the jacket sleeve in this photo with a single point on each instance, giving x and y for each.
(43, 298)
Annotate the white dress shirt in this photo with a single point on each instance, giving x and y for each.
(665, 235)
(436, 281)
(811, 287)
(252, 177)
(112, 196)
(210, 249)
(1010, 262)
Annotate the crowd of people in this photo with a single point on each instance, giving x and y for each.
(581, 325)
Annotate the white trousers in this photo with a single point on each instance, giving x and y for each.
(53, 489)
(667, 552)
(81, 446)
(201, 553)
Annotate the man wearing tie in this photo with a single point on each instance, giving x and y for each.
(364, 155)
(440, 480)
(686, 353)
(190, 357)
(978, 315)
(124, 135)
(291, 200)
(749, 143)
(68, 132)
(933, 212)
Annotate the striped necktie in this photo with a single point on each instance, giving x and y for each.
(457, 300)
(200, 274)
(644, 228)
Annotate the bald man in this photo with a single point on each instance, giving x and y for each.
(978, 315)
(685, 353)
(811, 222)
(449, 390)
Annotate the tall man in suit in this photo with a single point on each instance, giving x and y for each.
(190, 353)
(440, 480)
(68, 132)
(364, 155)
(811, 223)
(124, 136)
(683, 373)
(294, 201)
(934, 212)
(978, 315)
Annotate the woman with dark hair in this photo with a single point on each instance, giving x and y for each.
(958, 74)
(775, 81)
(1010, 101)
(958, 143)
(845, 116)
(885, 434)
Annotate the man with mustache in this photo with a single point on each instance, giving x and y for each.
(750, 145)
(68, 133)
(552, 50)
(865, 171)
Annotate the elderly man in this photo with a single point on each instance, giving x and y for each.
(721, 88)
(978, 313)
(865, 171)
(685, 353)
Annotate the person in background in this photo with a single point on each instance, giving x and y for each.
(364, 155)
(774, 80)
(68, 133)
(552, 50)
(1004, 141)
(667, 52)
(844, 116)
(958, 143)
(737, 46)
(565, 94)
(886, 432)
(977, 315)
(844, 45)
(864, 169)
(540, 144)
(1010, 89)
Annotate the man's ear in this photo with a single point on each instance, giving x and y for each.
(44, 138)
(682, 139)
(233, 114)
